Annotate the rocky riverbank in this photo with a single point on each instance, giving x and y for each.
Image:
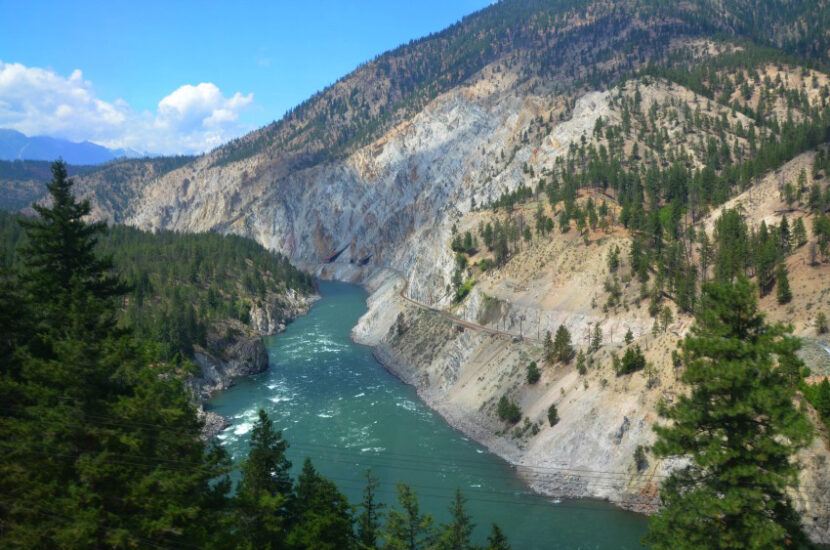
(240, 351)
(591, 452)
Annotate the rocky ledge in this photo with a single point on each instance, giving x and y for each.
(240, 351)
(242, 358)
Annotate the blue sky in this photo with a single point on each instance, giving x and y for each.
(129, 74)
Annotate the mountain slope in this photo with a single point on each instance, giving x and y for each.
(112, 186)
(572, 41)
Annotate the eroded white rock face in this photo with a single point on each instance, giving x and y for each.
(390, 204)
(603, 418)
(271, 315)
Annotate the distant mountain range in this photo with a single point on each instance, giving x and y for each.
(17, 146)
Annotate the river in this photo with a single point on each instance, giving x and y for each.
(337, 405)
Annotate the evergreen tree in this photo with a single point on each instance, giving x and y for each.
(799, 233)
(457, 534)
(632, 361)
(497, 540)
(782, 291)
(533, 373)
(321, 514)
(408, 528)
(62, 268)
(368, 522)
(821, 399)
(553, 415)
(548, 347)
(562, 348)
(732, 241)
(784, 237)
(766, 255)
(666, 318)
(508, 410)
(614, 259)
(738, 427)
(580, 362)
(564, 222)
(264, 492)
(98, 435)
(596, 337)
(14, 320)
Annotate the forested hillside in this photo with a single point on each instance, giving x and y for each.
(101, 446)
(184, 289)
(577, 43)
(23, 182)
(667, 158)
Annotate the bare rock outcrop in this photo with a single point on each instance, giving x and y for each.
(242, 355)
(217, 371)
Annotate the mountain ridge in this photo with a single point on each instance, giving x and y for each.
(15, 145)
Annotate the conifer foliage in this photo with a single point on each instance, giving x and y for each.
(738, 427)
(98, 449)
(100, 446)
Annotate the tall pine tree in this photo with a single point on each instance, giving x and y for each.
(497, 540)
(408, 528)
(265, 491)
(457, 534)
(738, 427)
(321, 514)
(106, 449)
(368, 522)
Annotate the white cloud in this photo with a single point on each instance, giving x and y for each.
(191, 119)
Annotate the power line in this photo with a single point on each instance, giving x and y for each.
(598, 477)
(635, 502)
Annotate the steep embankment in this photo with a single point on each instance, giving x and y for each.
(566, 279)
(462, 372)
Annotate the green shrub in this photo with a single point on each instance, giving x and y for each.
(553, 415)
(464, 290)
(632, 361)
(533, 373)
(509, 411)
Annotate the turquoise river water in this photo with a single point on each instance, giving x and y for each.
(337, 405)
